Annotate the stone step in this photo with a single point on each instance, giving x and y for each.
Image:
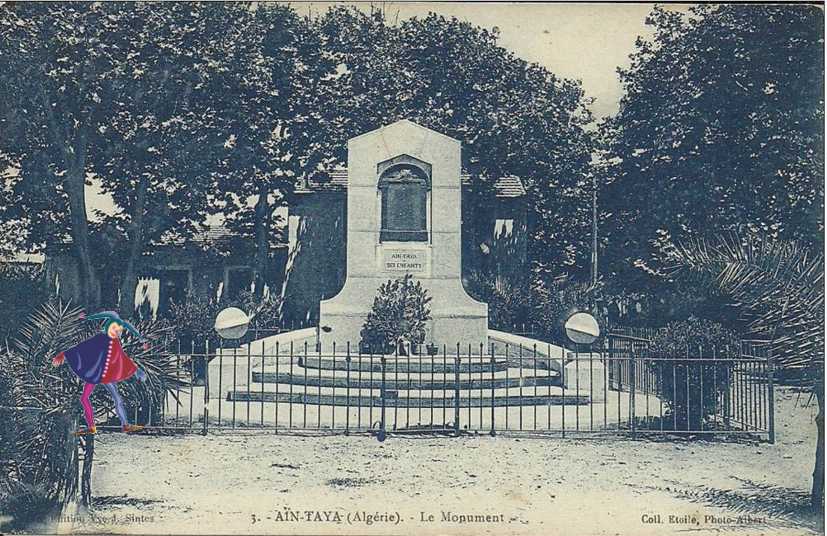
(423, 371)
(402, 365)
(391, 382)
(402, 391)
(407, 402)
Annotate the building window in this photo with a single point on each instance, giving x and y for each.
(503, 228)
(404, 191)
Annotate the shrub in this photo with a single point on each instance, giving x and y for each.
(541, 308)
(691, 389)
(193, 321)
(400, 309)
(559, 299)
(263, 311)
(511, 304)
(22, 289)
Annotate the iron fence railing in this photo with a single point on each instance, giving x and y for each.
(730, 386)
(617, 388)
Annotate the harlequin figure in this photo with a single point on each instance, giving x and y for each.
(101, 360)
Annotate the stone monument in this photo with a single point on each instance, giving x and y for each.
(404, 216)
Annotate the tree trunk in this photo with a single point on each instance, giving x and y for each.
(262, 227)
(90, 286)
(126, 303)
(817, 495)
(86, 471)
(73, 151)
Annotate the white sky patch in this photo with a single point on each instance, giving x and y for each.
(97, 200)
(586, 42)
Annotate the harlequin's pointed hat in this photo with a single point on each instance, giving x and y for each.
(111, 317)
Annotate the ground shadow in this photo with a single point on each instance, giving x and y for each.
(121, 500)
(783, 507)
(351, 482)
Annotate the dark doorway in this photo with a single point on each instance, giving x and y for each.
(173, 288)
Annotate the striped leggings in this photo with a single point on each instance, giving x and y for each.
(89, 413)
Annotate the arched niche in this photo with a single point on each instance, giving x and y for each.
(404, 186)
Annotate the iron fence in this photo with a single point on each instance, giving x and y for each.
(706, 390)
(616, 388)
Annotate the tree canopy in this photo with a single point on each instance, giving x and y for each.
(721, 127)
(114, 93)
(182, 110)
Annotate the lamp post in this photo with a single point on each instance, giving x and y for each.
(594, 229)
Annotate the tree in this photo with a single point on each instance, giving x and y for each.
(275, 87)
(780, 288)
(22, 287)
(113, 92)
(166, 138)
(720, 128)
(52, 79)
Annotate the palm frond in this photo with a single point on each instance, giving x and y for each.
(51, 328)
(42, 401)
(778, 284)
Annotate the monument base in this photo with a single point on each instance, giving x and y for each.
(587, 374)
(341, 325)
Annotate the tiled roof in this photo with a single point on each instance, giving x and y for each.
(213, 234)
(509, 186)
(336, 182)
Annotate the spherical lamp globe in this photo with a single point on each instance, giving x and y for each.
(232, 323)
(582, 328)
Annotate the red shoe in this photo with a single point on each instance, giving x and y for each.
(88, 431)
(127, 428)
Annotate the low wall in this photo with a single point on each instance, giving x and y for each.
(283, 341)
(517, 343)
(499, 339)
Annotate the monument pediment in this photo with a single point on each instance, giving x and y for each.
(403, 126)
(404, 169)
(401, 141)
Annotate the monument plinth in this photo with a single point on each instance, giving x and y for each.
(404, 216)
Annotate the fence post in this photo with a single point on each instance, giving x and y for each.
(727, 396)
(381, 433)
(86, 471)
(493, 386)
(771, 394)
(73, 454)
(632, 387)
(206, 386)
(457, 362)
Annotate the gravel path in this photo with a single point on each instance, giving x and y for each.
(290, 484)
